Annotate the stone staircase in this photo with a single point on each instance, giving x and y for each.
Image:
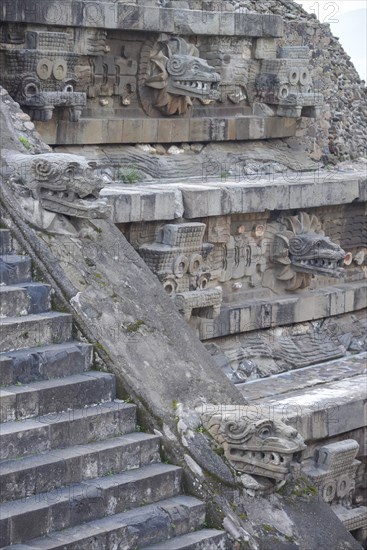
(75, 471)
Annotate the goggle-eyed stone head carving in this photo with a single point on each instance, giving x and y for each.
(253, 445)
(59, 183)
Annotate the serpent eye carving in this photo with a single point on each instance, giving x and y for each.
(176, 65)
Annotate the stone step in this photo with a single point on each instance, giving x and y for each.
(14, 301)
(60, 430)
(206, 539)
(5, 242)
(48, 471)
(57, 395)
(44, 363)
(24, 299)
(14, 269)
(35, 330)
(73, 505)
(40, 296)
(129, 530)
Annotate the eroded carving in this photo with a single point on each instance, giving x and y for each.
(176, 74)
(253, 444)
(302, 250)
(41, 77)
(178, 258)
(333, 472)
(52, 185)
(286, 82)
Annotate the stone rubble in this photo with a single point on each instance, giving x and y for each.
(341, 132)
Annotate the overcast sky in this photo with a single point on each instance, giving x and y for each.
(348, 21)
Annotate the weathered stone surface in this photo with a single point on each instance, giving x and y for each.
(43, 363)
(120, 16)
(148, 525)
(55, 396)
(34, 330)
(326, 410)
(266, 313)
(14, 269)
(95, 132)
(219, 198)
(204, 539)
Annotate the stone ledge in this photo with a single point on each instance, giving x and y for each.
(324, 411)
(286, 310)
(125, 16)
(195, 199)
(305, 378)
(120, 131)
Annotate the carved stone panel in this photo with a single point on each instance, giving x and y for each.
(53, 188)
(179, 258)
(253, 444)
(334, 473)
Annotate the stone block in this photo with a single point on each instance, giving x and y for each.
(6, 371)
(15, 269)
(199, 129)
(293, 52)
(284, 311)
(34, 522)
(132, 131)
(197, 22)
(337, 302)
(151, 18)
(165, 131)
(363, 190)
(167, 19)
(219, 229)
(5, 241)
(248, 24)
(243, 128)
(227, 23)
(150, 130)
(23, 438)
(314, 306)
(360, 298)
(272, 26)
(201, 201)
(35, 330)
(266, 48)
(131, 17)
